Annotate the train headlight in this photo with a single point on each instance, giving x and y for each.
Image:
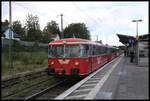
(76, 63)
(52, 62)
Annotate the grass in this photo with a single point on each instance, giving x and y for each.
(23, 59)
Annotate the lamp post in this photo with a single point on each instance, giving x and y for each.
(137, 37)
(62, 36)
(10, 36)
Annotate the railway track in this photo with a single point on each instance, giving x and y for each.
(15, 80)
(50, 90)
(54, 91)
(26, 87)
(61, 89)
(87, 88)
(33, 96)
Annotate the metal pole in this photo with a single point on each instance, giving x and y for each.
(62, 36)
(10, 36)
(137, 46)
(137, 41)
(137, 28)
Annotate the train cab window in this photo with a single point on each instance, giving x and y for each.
(84, 50)
(56, 51)
(49, 48)
(72, 50)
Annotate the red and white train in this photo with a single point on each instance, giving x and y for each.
(73, 56)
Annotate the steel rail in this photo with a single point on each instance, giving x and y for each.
(44, 91)
(13, 93)
(16, 80)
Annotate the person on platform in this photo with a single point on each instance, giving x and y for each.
(131, 55)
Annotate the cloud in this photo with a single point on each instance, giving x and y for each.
(107, 18)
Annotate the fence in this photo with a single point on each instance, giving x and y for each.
(25, 43)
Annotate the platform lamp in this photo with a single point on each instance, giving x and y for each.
(137, 38)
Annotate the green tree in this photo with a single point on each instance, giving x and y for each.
(46, 37)
(77, 30)
(18, 29)
(33, 28)
(53, 28)
(4, 25)
(50, 29)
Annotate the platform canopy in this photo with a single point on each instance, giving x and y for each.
(125, 39)
(144, 37)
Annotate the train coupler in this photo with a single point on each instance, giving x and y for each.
(74, 71)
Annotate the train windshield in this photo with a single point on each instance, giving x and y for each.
(56, 51)
(72, 51)
(64, 51)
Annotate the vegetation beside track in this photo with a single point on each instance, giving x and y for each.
(24, 58)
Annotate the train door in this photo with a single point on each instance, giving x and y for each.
(90, 58)
(93, 59)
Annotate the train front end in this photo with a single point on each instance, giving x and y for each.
(66, 59)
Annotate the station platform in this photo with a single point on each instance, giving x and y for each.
(126, 81)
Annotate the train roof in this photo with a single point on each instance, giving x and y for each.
(74, 41)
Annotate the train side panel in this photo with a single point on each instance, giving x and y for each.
(98, 61)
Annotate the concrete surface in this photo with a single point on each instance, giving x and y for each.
(127, 81)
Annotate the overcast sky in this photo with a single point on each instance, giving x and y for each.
(103, 19)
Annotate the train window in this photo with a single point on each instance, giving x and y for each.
(56, 51)
(49, 48)
(84, 50)
(108, 50)
(102, 50)
(90, 50)
(113, 50)
(72, 50)
(99, 50)
(94, 50)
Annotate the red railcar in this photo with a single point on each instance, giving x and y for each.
(73, 56)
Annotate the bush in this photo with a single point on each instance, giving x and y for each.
(16, 43)
(36, 44)
(25, 57)
(5, 62)
(39, 57)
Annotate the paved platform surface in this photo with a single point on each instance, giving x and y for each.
(127, 81)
